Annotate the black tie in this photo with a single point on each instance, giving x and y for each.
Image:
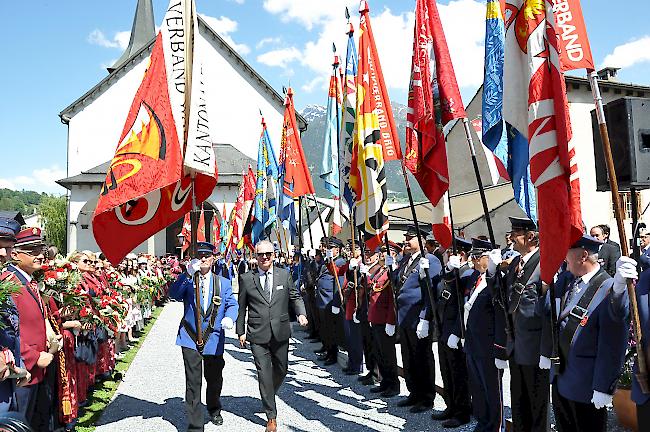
(267, 287)
(572, 291)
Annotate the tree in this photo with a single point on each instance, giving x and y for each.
(53, 210)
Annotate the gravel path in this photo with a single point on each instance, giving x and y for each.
(312, 399)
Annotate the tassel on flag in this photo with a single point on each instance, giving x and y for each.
(149, 183)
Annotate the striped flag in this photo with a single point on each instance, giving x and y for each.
(375, 138)
(347, 123)
(265, 191)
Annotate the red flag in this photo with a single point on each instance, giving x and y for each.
(249, 199)
(433, 101)
(186, 230)
(575, 51)
(146, 187)
(200, 232)
(553, 169)
(297, 180)
(216, 228)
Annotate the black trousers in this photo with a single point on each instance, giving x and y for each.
(419, 365)
(312, 312)
(453, 368)
(643, 416)
(571, 416)
(36, 403)
(196, 367)
(485, 387)
(271, 361)
(370, 350)
(529, 387)
(386, 357)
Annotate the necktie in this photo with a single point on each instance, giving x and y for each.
(33, 287)
(267, 286)
(203, 299)
(574, 289)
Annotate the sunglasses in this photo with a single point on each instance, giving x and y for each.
(88, 262)
(265, 254)
(32, 252)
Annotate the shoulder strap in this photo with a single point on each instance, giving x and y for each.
(520, 283)
(578, 315)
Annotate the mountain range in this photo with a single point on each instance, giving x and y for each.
(314, 137)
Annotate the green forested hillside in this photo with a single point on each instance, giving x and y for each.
(24, 201)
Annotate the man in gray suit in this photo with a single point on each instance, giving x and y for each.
(266, 293)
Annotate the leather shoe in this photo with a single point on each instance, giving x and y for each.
(351, 372)
(216, 418)
(271, 426)
(329, 361)
(365, 377)
(408, 401)
(421, 407)
(441, 415)
(455, 422)
(389, 393)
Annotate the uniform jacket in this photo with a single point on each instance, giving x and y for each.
(644, 259)
(33, 339)
(183, 289)
(643, 303)
(327, 294)
(448, 308)
(267, 319)
(523, 311)
(608, 254)
(479, 326)
(596, 355)
(381, 305)
(413, 301)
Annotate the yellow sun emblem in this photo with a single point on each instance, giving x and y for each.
(532, 8)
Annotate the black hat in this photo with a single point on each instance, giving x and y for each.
(205, 247)
(10, 223)
(588, 243)
(522, 224)
(463, 244)
(430, 237)
(335, 242)
(480, 247)
(412, 231)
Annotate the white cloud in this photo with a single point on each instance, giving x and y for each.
(629, 54)
(463, 22)
(120, 39)
(280, 57)
(311, 85)
(224, 26)
(268, 41)
(238, 1)
(41, 180)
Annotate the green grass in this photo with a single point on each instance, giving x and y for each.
(104, 391)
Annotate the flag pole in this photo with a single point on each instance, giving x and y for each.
(311, 236)
(642, 375)
(189, 56)
(327, 245)
(459, 293)
(479, 182)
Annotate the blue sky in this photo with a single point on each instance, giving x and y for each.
(56, 51)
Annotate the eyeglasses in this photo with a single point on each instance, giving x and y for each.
(206, 256)
(265, 254)
(88, 262)
(32, 252)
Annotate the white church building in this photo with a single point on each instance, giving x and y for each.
(235, 98)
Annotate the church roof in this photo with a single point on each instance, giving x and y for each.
(140, 54)
(230, 163)
(143, 31)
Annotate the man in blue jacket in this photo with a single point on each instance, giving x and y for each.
(218, 311)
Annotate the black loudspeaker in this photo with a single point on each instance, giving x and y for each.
(628, 123)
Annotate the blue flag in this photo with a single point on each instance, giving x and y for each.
(330, 163)
(505, 141)
(349, 118)
(266, 189)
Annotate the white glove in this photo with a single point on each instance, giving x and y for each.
(422, 330)
(625, 269)
(355, 319)
(193, 266)
(544, 363)
(354, 263)
(601, 400)
(424, 265)
(328, 254)
(390, 329)
(452, 342)
(390, 261)
(226, 323)
(500, 364)
(453, 262)
(312, 253)
(494, 260)
(335, 310)
(363, 269)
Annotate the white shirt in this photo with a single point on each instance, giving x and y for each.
(205, 289)
(263, 276)
(525, 258)
(28, 277)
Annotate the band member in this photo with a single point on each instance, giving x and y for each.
(218, 310)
